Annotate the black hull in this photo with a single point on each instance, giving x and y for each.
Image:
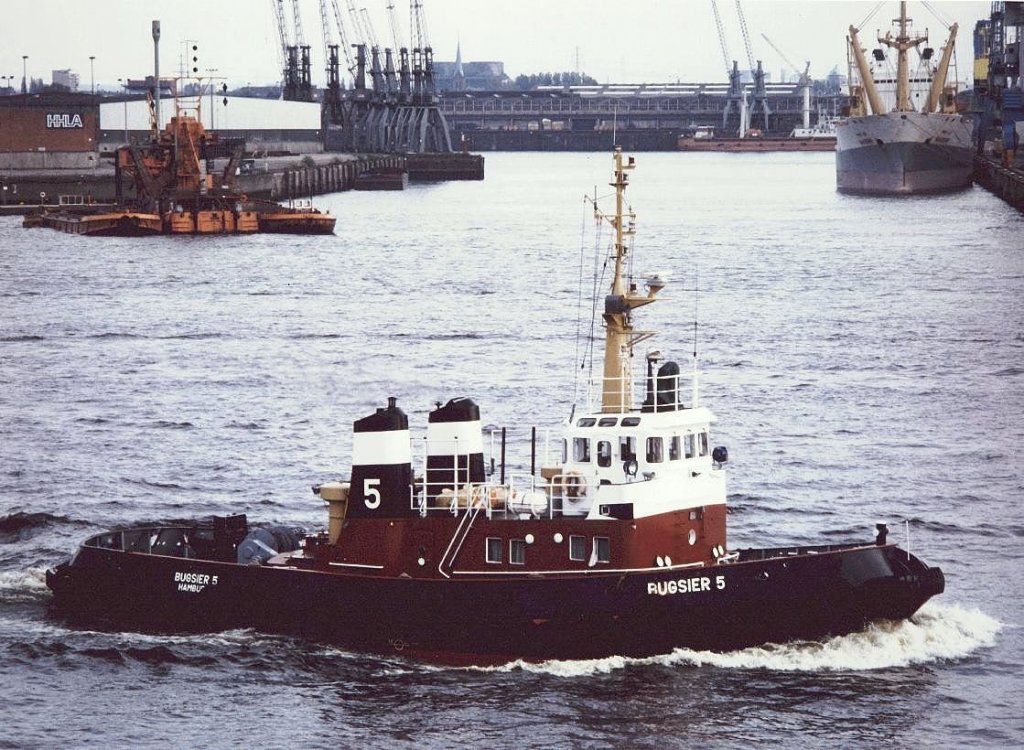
(475, 619)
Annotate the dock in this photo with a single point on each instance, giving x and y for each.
(272, 178)
(1005, 182)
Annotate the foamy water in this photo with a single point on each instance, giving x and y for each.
(937, 633)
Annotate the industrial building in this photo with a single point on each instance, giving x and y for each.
(49, 131)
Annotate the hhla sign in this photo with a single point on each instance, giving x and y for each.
(63, 120)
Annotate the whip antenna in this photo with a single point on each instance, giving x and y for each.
(696, 296)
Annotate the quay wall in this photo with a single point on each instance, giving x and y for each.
(277, 178)
(1005, 182)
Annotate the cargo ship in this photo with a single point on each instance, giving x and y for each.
(615, 544)
(887, 145)
(176, 193)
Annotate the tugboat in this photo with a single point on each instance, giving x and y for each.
(618, 547)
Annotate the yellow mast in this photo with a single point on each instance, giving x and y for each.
(866, 80)
(901, 44)
(620, 338)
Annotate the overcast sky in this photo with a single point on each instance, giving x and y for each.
(630, 41)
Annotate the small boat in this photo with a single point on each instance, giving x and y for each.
(889, 146)
(614, 545)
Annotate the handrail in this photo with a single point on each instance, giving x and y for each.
(463, 528)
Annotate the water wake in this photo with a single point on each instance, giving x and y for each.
(938, 633)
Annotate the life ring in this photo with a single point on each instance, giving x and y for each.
(575, 486)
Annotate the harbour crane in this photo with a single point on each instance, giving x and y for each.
(294, 55)
(807, 67)
(721, 37)
(746, 36)
(282, 32)
(805, 81)
(760, 103)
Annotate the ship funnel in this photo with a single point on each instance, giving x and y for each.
(455, 451)
(381, 465)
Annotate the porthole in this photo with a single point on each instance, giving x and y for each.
(692, 537)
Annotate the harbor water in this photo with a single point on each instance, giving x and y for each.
(864, 358)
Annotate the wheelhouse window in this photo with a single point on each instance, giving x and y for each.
(602, 549)
(630, 421)
(627, 447)
(586, 422)
(517, 551)
(655, 450)
(604, 453)
(674, 448)
(577, 547)
(607, 421)
(702, 441)
(493, 552)
(690, 443)
(581, 450)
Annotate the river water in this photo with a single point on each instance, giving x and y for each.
(864, 356)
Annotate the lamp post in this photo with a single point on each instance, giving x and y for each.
(124, 84)
(211, 71)
(92, 74)
(24, 74)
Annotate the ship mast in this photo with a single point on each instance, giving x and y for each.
(902, 43)
(620, 337)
